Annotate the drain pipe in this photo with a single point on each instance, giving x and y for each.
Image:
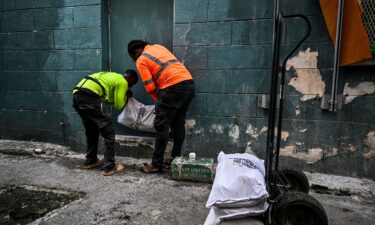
(336, 63)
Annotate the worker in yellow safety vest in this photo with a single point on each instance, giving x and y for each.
(88, 98)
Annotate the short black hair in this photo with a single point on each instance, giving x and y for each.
(131, 74)
(134, 44)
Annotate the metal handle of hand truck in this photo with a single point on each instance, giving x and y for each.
(304, 37)
(282, 86)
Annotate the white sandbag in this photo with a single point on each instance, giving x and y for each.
(239, 181)
(259, 163)
(216, 214)
(137, 116)
(249, 220)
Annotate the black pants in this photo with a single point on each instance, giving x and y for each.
(171, 108)
(96, 120)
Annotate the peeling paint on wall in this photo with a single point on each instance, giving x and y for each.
(348, 147)
(253, 131)
(234, 133)
(199, 131)
(370, 143)
(308, 80)
(312, 156)
(249, 148)
(284, 135)
(288, 150)
(262, 131)
(190, 124)
(351, 148)
(332, 153)
(217, 128)
(298, 110)
(362, 88)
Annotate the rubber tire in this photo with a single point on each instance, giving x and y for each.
(297, 208)
(296, 179)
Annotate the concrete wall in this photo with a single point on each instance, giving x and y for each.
(46, 46)
(227, 44)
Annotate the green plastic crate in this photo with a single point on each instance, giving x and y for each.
(201, 170)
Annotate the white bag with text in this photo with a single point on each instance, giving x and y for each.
(137, 116)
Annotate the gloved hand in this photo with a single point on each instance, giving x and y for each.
(129, 93)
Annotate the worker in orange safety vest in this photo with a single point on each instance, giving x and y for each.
(171, 85)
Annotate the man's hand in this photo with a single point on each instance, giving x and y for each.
(129, 93)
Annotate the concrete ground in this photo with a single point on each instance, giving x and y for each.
(136, 198)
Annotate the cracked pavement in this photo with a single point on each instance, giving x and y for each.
(133, 197)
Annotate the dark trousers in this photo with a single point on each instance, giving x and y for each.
(96, 120)
(171, 109)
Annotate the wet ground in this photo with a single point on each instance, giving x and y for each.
(22, 205)
(135, 198)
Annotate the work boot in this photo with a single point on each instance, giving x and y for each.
(168, 161)
(149, 168)
(118, 168)
(88, 166)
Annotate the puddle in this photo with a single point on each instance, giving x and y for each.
(24, 204)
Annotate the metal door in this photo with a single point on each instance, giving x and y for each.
(138, 19)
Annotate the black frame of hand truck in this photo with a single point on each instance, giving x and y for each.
(278, 73)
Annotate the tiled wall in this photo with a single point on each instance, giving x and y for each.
(46, 47)
(227, 45)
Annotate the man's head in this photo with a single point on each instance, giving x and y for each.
(135, 48)
(131, 77)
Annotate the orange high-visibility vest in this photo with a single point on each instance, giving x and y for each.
(159, 69)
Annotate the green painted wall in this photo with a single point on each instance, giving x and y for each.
(227, 45)
(46, 46)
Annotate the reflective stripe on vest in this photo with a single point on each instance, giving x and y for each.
(162, 65)
(92, 79)
(147, 82)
